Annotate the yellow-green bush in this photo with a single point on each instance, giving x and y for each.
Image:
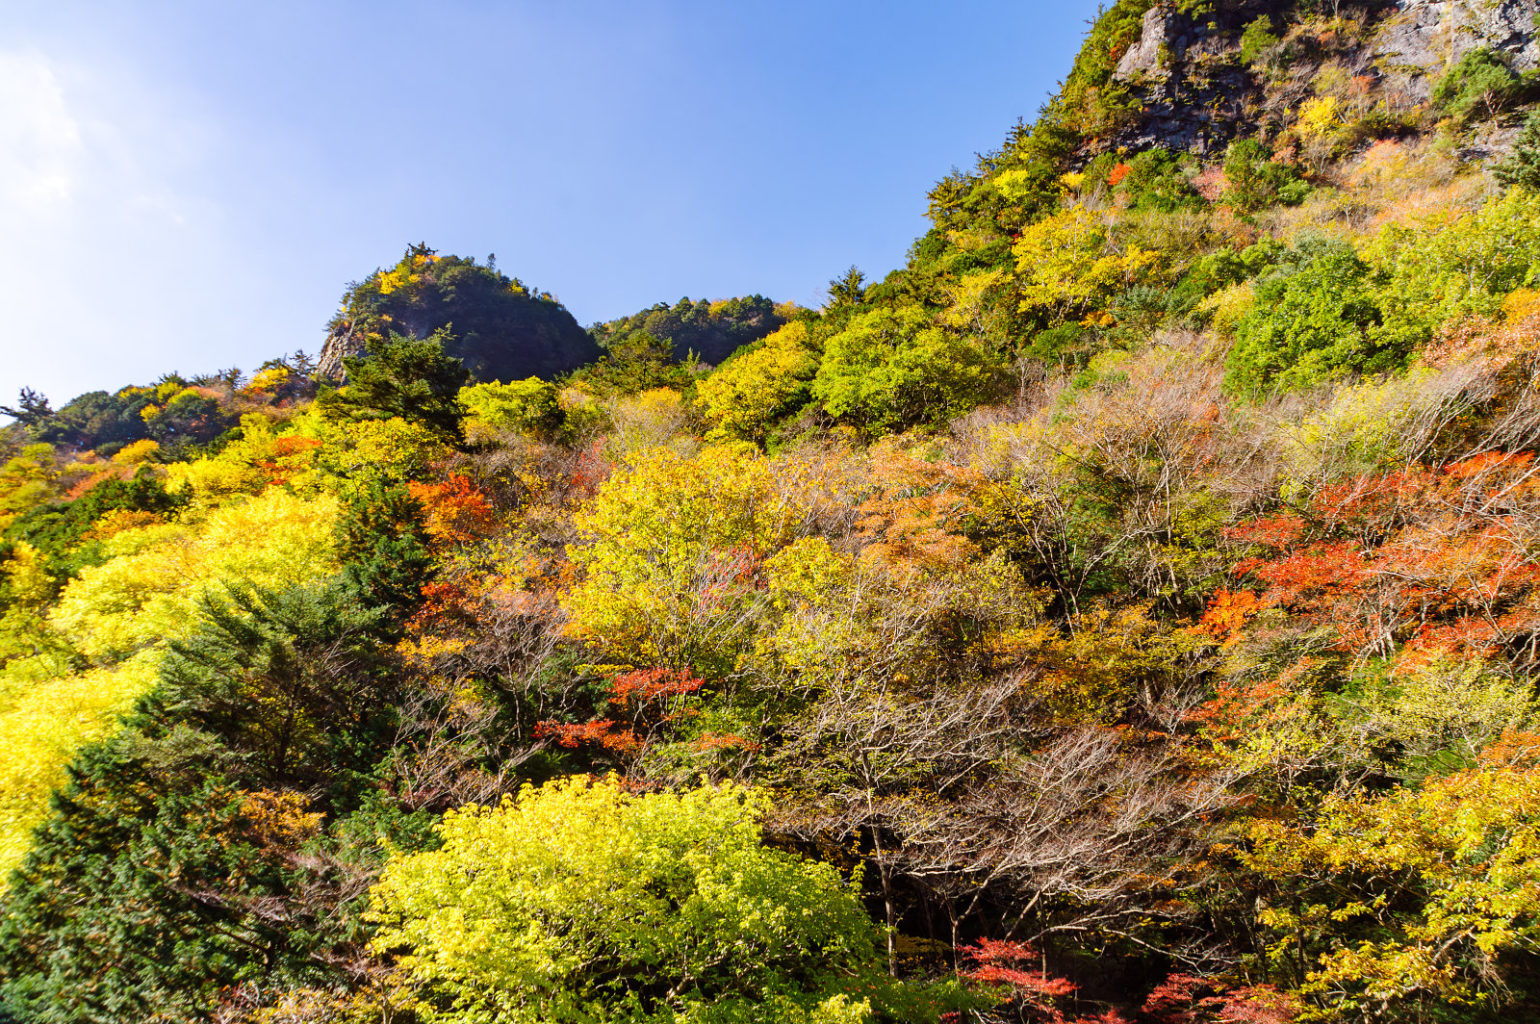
(749, 392)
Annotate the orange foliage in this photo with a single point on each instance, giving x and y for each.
(1516, 749)
(99, 476)
(1227, 613)
(456, 511)
(636, 688)
(651, 699)
(1432, 559)
(278, 822)
(1186, 999)
(610, 735)
(118, 520)
(593, 468)
(723, 741)
(1238, 708)
(288, 456)
(914, 517)
(1017, 973)
(443, 604)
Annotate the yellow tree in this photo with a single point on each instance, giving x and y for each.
(670, 548)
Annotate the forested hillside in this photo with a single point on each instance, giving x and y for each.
(1128, 611)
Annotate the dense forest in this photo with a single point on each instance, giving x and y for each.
(1127, 611)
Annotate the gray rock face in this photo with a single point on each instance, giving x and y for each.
(338, 345)
(1159, 37)
(1186, 76)
(1426, 36)
(1197, 95)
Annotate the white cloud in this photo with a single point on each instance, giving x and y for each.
(111, 249)
(40, 141)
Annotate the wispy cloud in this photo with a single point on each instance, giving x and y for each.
(40, 142)
(107, 238)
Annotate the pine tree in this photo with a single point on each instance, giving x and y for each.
(1522, 167)
(407, 377)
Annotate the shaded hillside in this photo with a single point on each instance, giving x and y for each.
(712, 330)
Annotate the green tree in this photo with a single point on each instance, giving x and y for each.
(114, 915)
(636, 362)
(891, 368)
(1313, 322)
(579, 902)
(1155, 181)
(383, 543)
(849, 289)
(1522, 167)
(31, 409)
(711, 330)
(403, 377)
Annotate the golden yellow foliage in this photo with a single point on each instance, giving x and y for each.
(136, 453)
(43, 726)
(120, 615)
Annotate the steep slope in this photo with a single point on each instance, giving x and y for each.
(1132, 604)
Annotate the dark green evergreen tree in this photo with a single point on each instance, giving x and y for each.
(411, 378)
(383, 544)
(206, 850)
(848, 289)
(1522, 166)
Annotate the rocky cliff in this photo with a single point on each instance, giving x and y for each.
(1198, 87)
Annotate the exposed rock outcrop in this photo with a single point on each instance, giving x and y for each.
(1423, 37)
(1197, 94)
(339, 344)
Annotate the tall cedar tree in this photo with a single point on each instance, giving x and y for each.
(407, 377)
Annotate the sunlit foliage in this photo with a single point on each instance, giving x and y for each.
(578, 901)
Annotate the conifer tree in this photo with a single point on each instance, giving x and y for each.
(407, 377)
(1522, 167)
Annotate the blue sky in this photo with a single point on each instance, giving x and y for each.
(190, 185)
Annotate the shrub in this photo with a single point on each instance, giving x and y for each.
(1311, 324)
(1253, 180)
(1481, 84)
(749, 392)
(1155, 181)
(580, 902)
(1368, 428)
(1522, 166)
(1070, 345)
(526, 406)
(667, 550)
(1257, 40)
(1070, 263)
(1225, 309)
(1467, 268)
(891, 368)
